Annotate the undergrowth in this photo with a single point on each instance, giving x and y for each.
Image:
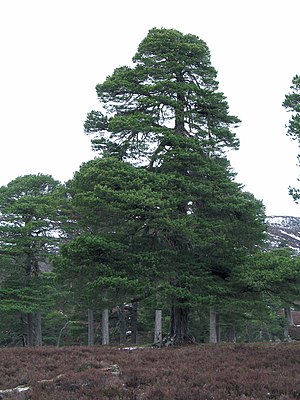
(198, 372)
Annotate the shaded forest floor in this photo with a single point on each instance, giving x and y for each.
(197, 372)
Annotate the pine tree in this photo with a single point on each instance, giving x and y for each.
(29, 233)
(178, 203)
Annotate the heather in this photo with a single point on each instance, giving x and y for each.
(196, 372)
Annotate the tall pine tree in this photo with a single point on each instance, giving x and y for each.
(166, 117)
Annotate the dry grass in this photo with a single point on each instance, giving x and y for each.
(204, 372)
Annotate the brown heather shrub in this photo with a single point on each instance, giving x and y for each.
(204, 372)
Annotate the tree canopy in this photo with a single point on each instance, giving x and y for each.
(169, 96)
(29, 232)
(163, 185)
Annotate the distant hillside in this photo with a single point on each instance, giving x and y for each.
(284, 231)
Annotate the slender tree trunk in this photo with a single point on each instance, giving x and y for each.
(289, 322)
(158, 328)
(122, 324)
(30, 330)
(214, 336)
(61, 332)
(288, 316)
(179, 331)
(90, 327)
(231, 334)
(134, 333)
(23, 331)
(180, 108)
(105, 327)
(38, 329)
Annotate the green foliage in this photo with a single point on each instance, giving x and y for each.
(292, 105)
(170, 90)
(92, 267)
(275, 273)
(157, 234)
(163, 187)
(25, 294)
(30, 230)
(53, 323)
(29, 217)
(265, 283)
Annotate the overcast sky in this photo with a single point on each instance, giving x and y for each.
(54, 52)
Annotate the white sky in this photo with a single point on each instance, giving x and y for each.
(54, 52)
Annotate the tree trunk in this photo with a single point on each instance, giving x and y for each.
(158, 328)
(23, 331)
(122, 324)
(38, 329)
(105, 327)
(30, 330)
(90, 327)
(288, 316)
(180, 108)
(214, 336)
(134, 322)
(61, 332)
(231, 334)
(179, 332)
(289, 322)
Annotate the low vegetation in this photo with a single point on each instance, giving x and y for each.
(203, 372)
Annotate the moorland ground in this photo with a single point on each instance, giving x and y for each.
(196, 372)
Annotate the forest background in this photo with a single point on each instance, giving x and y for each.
(155, 226)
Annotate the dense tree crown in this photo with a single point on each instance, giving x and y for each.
(30, 225)
(178, 203)
(168, 97)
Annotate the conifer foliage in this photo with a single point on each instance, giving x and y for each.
(30, 227)
(163, 186)
(170, 95)
(292, 105)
